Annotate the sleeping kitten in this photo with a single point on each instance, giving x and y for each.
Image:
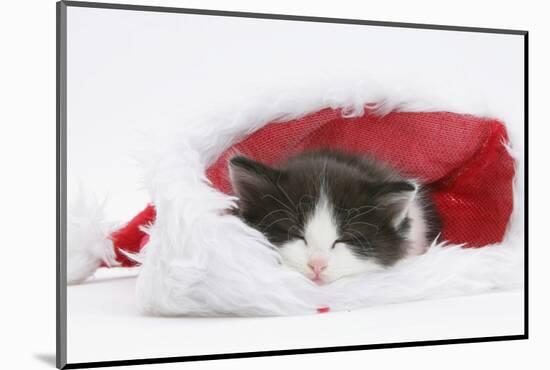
(332, 214)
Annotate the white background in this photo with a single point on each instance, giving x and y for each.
(28, 157)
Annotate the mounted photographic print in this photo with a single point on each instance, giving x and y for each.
(237, 184)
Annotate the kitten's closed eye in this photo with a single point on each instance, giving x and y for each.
(302, 238)
(341, 241)
(298, 236)
(332, 214)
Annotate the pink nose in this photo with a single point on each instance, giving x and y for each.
(317, 266)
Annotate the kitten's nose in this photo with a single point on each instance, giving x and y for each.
(317, 265)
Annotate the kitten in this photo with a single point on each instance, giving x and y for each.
(332, 214)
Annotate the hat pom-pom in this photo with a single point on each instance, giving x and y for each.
(88, 242)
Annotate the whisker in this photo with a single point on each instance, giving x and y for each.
(362, 223)
(363, 213)
(275, 211)
(279, 220)
(290, 229)
(355, 236)
(350, 210)
(286, 195)
(278, 201)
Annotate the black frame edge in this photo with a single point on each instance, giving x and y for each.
(222, 356)
(61, 168)
(526, 183)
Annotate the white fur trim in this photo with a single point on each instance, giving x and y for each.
(201, 261)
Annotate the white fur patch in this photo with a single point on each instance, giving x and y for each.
(321, 230)
(321, 234)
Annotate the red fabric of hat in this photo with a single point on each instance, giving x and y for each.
(462, 157)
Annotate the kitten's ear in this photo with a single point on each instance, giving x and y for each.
(248, 177)
(398, 196)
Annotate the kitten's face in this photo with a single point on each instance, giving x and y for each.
(326, 218)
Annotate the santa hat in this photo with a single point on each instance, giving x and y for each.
(464, 158)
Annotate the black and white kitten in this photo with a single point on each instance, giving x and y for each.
(332, 214)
